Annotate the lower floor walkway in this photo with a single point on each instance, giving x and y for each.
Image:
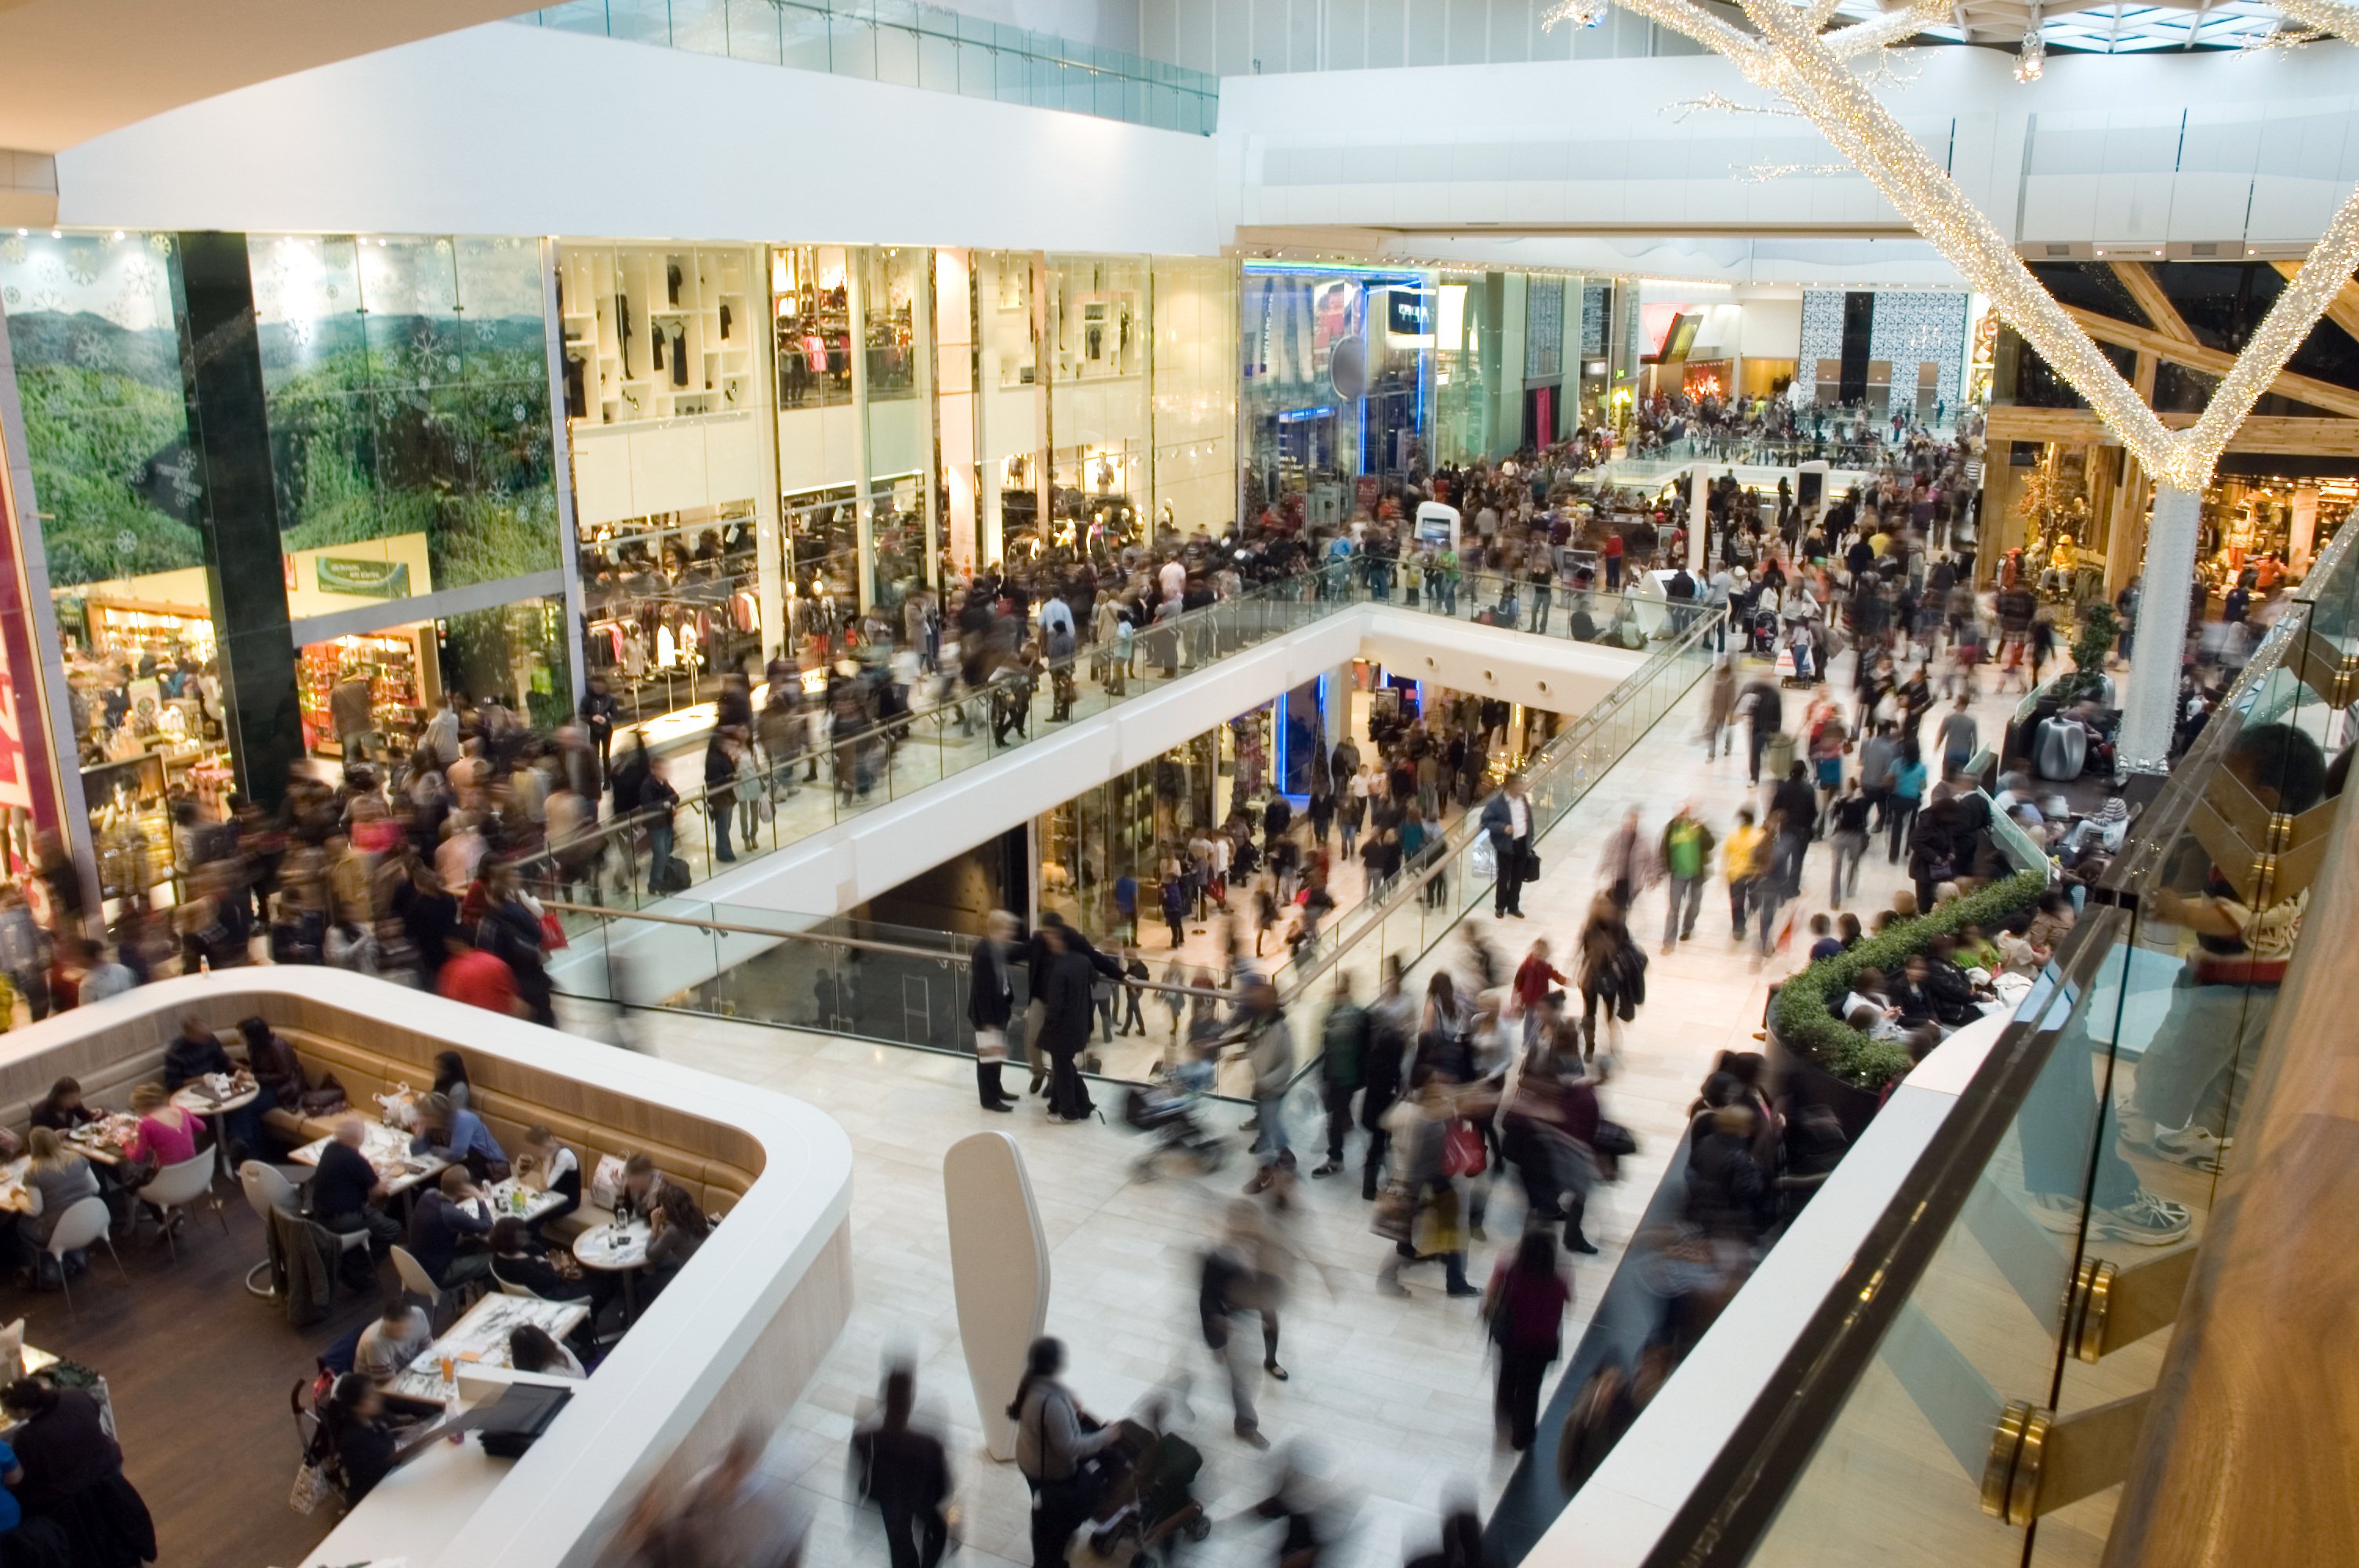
(1390, 1397)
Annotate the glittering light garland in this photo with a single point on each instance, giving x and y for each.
(1714, 103)
(2324, 17)
(1762, 173)
(1807, 71)
(2294, 38)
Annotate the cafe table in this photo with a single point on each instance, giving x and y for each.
(616, 1249)
(513, 1199)
(104, 1141)
(386, 1149)
(476, 1347)
(214, 1096)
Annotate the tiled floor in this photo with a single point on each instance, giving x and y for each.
(1390, 1397)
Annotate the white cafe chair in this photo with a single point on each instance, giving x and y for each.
(84, 1221)
(179, 1188)
(419, 1283)
(268, 1188)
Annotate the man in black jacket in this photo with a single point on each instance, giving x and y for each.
(1344, 1045)
(990, 1003)
(1061, 983)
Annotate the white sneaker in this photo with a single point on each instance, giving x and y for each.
(2056, 1211)
(2144, 1221)
(2195, 1146)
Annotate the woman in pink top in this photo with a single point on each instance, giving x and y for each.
(166, 1133)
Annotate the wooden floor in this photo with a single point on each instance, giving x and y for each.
(199, 1372)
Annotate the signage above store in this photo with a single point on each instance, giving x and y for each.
(362, 578)
(1406, 313)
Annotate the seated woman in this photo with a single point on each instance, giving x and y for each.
(275, 1067)
(450, 1080)
(167, 1135)
(518, 1259)
(530, 1349)
(57, 1178)
(363, 1430)
(1947, 985)
(546, 1165)
(1867, 989)
(62, 1109)
(679, 1228)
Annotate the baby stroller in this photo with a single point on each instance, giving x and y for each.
(1153, 1501)
(1762, 636)
(1162, 1109)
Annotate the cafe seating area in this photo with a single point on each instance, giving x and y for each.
(764, 1298)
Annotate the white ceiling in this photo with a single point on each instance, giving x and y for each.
(2107, 28)
(70, 70)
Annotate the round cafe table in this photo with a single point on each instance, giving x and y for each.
(198, 1098)
(616, 1250)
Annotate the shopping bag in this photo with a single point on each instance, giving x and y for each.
(1482, 859)
(1462, 1153)
(991, 1045)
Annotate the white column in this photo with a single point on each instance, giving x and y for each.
(2150, 707)
(1700, 486)
(955, 394)
(864, 510)
(2303, 543)
(921, 354)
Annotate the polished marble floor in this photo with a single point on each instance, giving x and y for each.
(1389, 1405)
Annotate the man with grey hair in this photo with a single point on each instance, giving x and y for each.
(990, 1003)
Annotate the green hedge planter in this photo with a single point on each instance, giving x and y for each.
(1803, 1019)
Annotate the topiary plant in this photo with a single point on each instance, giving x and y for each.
(1804, 1016)
(2091, 643)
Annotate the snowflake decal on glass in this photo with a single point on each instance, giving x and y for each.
(159, 244)
(82, 264)
(90, 351)
(12, 250)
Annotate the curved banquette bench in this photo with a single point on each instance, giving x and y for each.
(733, 1343)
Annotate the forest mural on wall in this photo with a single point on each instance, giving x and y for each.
(407, 385)
(98, 371)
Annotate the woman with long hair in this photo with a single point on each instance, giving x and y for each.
(1055, 1441)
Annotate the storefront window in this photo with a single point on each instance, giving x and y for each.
(890, 277)
(515, 652)
(671, 603)
(407, 384)
(97, 351)
(1335, 368)
(811, 310)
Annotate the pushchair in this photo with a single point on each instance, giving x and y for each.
(1152, 1502)
(1762, 637)
(1161, 1109)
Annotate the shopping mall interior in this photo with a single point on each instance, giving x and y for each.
(1355, 782)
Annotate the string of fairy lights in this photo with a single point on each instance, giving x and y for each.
(1807, 67)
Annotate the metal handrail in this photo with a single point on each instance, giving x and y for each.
(1741, 1491)
(1551, 756)
(830, 939)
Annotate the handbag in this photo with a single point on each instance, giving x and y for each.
(1531, 865)
(1462, 1153)
(1614, 1139)
(312, 1488)
(324, 1099)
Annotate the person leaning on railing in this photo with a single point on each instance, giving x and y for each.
(2196, 1070)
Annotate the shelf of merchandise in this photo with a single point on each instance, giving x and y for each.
(623, 383)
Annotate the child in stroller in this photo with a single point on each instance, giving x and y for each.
(1163, 1108)
(1148, 1499)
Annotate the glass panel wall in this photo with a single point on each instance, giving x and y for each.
(665, 425)
(406, 380)
(1192, 398)
(92, 328)
(1335, 374)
